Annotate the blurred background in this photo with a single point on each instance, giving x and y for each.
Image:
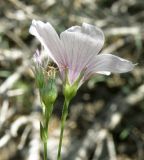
(106, 118)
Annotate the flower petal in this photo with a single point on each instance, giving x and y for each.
(81, 45)
(107, 63)
(95, 33)
(48, 37)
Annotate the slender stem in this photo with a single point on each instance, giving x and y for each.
(64, 116)
(45, 150)
(46, 140)
(46, 117)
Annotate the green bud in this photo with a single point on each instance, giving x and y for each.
(48, 92)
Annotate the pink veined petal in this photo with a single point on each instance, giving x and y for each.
(108, 63)
(81, 44)
(48, 37)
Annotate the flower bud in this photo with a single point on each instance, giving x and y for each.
(48, 92)
(45, 80)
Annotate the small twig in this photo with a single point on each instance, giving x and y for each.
(18, 123)
(111, 147)
(123, 31)
(10, 55)
(4, 111)
(98, 151)
(4, 140)
(24, 137)
(35, 143)
(101, 136)
(15, 92)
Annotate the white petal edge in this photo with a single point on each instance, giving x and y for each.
(104, 73)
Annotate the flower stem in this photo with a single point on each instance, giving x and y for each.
(47, 111)
(45, 150)
(64, 116)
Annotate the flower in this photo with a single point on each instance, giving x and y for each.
(76, 50)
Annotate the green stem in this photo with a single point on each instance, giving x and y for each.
(45, 150)
(47, 111)
(64, 116)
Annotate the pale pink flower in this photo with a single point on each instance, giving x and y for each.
(76, 50)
